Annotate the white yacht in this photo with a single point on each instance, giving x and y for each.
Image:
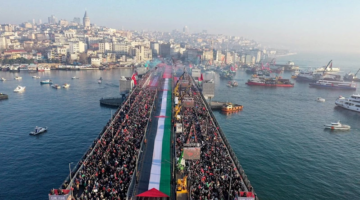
(74, 77)
(319, 99)
(18, 78)
(2, 79)
(351, 103)
(337, 126)
(38, 130)
(36, 77)
(19, 89)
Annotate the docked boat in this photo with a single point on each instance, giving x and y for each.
(18, 78)
(352, 77)
(319, 99)
(36, 77)
(38, 130)
(19, 89)
(295, 74)
(351, 103)
(66, 85)
(56, 86)
(2, 79)
(48, 81)
(229, 107)
(337, 126)
(340, 85)
(308, 76)
(74, 77)
(331, 77)
(270, 82)
(329, 69)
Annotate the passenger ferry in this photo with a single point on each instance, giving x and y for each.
(351, 103)
(340, 85)
(270, 82)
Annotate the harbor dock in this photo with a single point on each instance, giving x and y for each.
(163, 141)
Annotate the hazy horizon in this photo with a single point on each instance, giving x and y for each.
(311, 26)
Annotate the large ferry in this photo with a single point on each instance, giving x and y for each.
(270, 82)
(351, 103)
(334, 85)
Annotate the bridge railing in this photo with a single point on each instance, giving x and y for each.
(228, 146)
(135, 177)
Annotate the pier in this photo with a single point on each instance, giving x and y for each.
(163, 141)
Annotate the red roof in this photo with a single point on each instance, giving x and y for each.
(152, 193)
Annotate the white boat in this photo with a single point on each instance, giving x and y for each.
(99, 81)
(333, 69)
(3, 79)
(351, 103)
(36, 77)
(18, 78)
(56, 86)
(19, 89)
(74, 77)
(319, 99)
(66, 85)
(38, 130)
(337, 126)
(229, 85)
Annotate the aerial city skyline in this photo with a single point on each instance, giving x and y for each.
(298, 26)
(80, 41)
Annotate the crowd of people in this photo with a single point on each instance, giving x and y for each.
(109, 167)
(214, 175)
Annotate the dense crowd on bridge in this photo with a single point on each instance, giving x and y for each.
(108, 171)
(211, 176)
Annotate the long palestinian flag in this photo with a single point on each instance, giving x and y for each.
(160, 175)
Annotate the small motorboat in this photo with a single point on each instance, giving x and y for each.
(2, 79)
(319, 99)
(74, 77)
(18, 78)
(19, 89)
(56, 86)
(229, 107)
(99, 81)
(46, 82)
(66, 85)
(229, 85)
(38, 130)
(36, 77)
(337, 126)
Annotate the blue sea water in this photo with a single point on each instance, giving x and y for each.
(278, 137)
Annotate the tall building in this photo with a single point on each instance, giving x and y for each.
(52, 20)
(155, 47)
(40, 22)
(185, 29)
(86, 21)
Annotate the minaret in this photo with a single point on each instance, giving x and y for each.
(86, 21)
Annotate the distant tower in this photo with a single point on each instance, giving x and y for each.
(86, 21)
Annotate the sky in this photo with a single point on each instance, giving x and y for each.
(306, 25)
